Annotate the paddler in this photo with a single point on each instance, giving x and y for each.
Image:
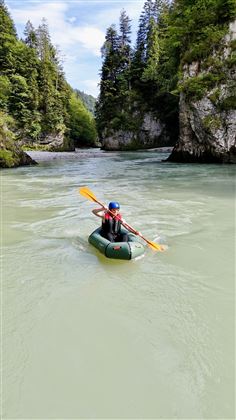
(111, 222)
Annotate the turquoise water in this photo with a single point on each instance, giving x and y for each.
(88, 337)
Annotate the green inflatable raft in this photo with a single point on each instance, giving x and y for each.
(118, 250)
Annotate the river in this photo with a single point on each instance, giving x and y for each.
(88, 337)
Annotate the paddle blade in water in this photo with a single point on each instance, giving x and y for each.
(154, 246)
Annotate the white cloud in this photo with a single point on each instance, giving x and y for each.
(63, 31)
(91, 86)
(112, 12)
(78, 27)
(72, 19)
(90, 38)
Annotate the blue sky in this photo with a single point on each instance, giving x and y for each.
(78, 27)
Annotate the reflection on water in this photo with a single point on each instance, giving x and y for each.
(89, 337)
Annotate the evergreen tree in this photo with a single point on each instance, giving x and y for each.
(51, 101)
(115, 83)
(8, 39)
(125, 52)
(33, 89)
(147, 33)
(152, 53)
(106, 105)
(124, 38)
(6, 23)
(5, 89)
(30, 35)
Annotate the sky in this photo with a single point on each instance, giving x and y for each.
(78, 28)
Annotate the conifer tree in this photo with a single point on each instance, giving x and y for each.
(152, 53)
(6, 23)
(106, 105)
(145, 29)
(124, 38)
(51, 104)
(8, 39)
(30, 35)
(125, 52)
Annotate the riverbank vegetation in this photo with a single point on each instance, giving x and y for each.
(179, 49)
(150, 77)
(34, 93)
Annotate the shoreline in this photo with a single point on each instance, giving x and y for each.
(43, 155)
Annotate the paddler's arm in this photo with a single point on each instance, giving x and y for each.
(99, 212)
(128, 227)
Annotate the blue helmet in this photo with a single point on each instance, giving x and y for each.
(114, 205)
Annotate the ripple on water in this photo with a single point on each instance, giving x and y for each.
(160, 325)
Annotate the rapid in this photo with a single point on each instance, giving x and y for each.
(88, 337)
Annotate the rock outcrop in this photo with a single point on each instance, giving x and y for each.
(207, 109)
(151, 133)
(11, 154)
(53, 142)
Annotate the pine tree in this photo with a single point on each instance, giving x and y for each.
(125, 52)
(124, 37)
(8, 39)
(50, 103)
(6, 23)
(106, 105)
(152, 53)
(115, 83)
(30, 35)
(140, 55)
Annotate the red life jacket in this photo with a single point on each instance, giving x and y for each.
(111, 224)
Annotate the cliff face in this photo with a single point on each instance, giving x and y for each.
(56, 142)
(150, 133)
(11, 154)
(207, 109)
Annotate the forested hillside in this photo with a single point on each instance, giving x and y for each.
(88, 100)
(34, 94)
(141, 87)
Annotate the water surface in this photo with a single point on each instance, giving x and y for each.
(88, 337)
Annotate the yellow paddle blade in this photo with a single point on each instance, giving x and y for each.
(154, 246)
(87, 193)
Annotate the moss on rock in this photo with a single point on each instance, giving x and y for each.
(11, 154)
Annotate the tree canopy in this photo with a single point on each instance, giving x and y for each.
(33, 87)
(171, 34)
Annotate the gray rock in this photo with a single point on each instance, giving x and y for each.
(56, 142)
(207, 126)
(151, 133)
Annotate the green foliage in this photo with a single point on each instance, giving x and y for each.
(171, 36)
(82, 124)
(7, 126)
(214, 97)
(150, 72)
(115, 74)
(5, 88)
(199, 26)
(212, 122)
(228, 103)
(196, 87)
(7, 139)
(88, 100)
(33, 89)
(6, 158)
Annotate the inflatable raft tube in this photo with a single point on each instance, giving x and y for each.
(118, 250)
